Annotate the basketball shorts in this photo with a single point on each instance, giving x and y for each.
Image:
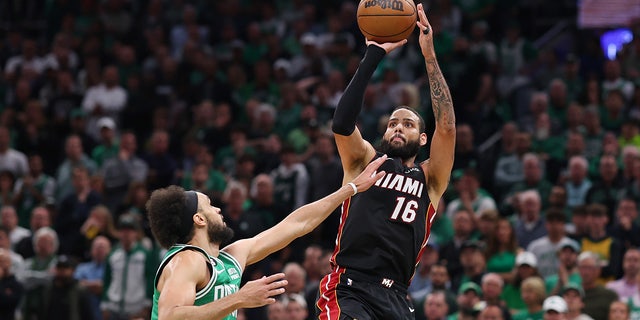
(348, 294)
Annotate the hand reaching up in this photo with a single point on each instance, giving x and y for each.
(426, 33)
(370, 175)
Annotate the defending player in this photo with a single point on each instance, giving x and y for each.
(197, 279)
(384, 230)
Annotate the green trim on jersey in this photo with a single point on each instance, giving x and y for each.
(226, 275)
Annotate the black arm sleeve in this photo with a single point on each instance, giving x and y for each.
(344, 119)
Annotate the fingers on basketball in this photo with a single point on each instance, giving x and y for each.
(386, 20)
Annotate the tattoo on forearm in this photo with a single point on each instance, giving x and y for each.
(440, 95)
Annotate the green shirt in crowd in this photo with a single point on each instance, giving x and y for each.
(525, 315)
(501, 262)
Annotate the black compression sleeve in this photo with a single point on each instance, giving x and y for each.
(344, 119)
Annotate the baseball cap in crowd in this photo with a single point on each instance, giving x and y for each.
(283, 64)
(106, 122)
(128, 221)
(554, 303)
(474, 244)
(309, 39)
(573, 286)
(526, 258)
(569, 243)
(64, 261)
(470, 286)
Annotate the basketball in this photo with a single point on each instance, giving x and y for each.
(386, 20)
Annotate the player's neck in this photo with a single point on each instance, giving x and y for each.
(200, 239)
(410, 162)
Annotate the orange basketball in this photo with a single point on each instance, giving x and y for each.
(387, 20)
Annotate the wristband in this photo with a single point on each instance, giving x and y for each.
(353, 186)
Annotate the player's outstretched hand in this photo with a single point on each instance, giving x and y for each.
(387, 46)
(258, 293)
(426, 33)
(370, 175)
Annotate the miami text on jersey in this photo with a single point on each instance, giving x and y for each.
(401, 183)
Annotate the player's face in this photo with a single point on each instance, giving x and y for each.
(211, 212)
(402, 138)
(217, 230)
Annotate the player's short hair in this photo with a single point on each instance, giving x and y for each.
(166, 208)
(421, 124)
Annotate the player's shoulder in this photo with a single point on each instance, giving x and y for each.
(190, 264)
(188, 259)
(185, 266)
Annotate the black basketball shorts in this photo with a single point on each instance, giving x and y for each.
(347, 294)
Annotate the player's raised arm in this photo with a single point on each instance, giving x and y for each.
(303, 220)
(440, 162)
(355, 152)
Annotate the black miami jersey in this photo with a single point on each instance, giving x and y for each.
(383, 230)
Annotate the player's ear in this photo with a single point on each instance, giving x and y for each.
(423, 139)
(199, 219)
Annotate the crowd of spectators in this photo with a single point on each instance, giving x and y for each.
(104, 101)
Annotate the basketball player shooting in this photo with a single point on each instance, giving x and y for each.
(199, 280)
(384, 230)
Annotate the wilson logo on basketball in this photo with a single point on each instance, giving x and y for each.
(384, 4)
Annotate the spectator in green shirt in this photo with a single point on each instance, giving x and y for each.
(568, 270)
(108, 146)
(469, 295)
(533, 295)
(526, 263)
(501, 250)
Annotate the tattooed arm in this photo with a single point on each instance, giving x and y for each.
(438, 166)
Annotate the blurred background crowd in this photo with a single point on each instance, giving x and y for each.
(103, 101)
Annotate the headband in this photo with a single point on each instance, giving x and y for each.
(190, 208)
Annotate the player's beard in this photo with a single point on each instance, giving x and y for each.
(219, 233)
(408, 150)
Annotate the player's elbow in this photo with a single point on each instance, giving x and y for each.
(341, 128)
(448, 128)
